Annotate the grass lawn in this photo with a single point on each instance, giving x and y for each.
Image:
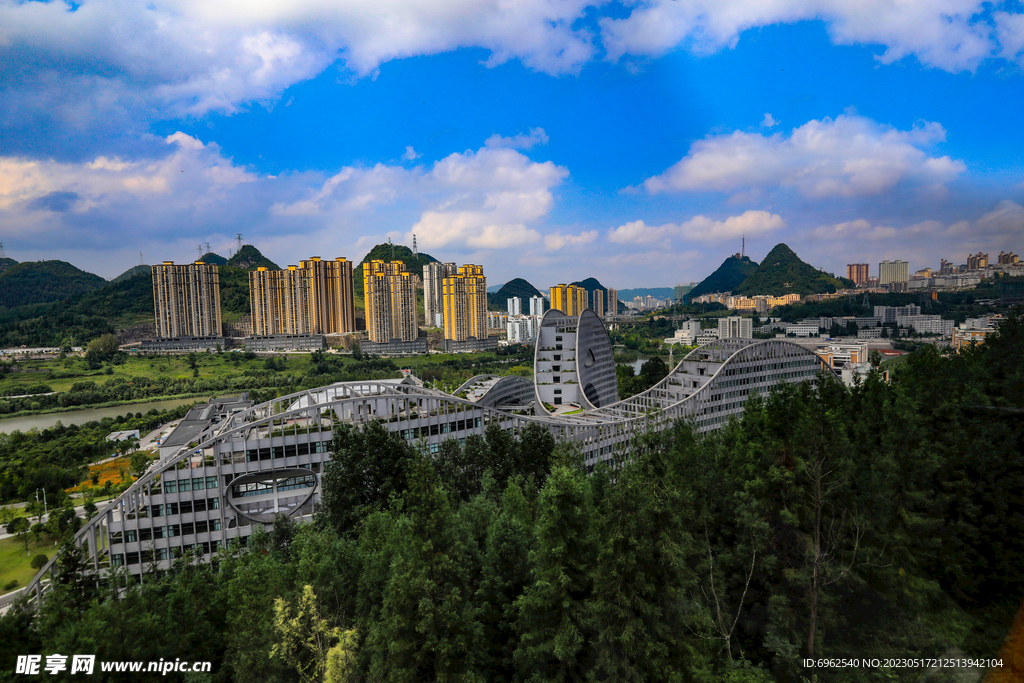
(210, 366)
(15, 564)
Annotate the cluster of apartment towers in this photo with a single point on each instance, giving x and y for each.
(317, 297)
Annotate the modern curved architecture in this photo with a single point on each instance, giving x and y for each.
(244, 466)
(573, 364)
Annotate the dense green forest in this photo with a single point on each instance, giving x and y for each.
(782, 272)
(733, 271)
(38, 282)
(886, 520)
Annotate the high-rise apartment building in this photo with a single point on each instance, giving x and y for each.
(537, 305)
(314, 297)
(332, 305)
(186, 300)
(858, 272)
(892, 272)
(464, 297)
(569, 299)
(613, 302)
(433, 292)
(390, 302)
(515, 306)
(977, 261)
(1007, 259)
(735, 327)
(597, 302)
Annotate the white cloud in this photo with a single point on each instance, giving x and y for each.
(855, 230)
(699, 228)
(848, 156)
(556, 240)
(411, 154)
(536, 137)
(768, 121)
(949, 34)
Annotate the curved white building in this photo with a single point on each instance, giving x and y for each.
(240, 471)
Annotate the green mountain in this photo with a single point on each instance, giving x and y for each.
(39, 282)
(782, 272)
(6, 263)
(134, 271)
(387, 252)
(511, 289)
(733, 271)
(248, 258)
(590, 284)
(217, 260)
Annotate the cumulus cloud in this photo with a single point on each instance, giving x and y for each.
(699, 228)
(858, 229)
(484, 199)
(556, 240)
(847, 156)
(949, 34)
(411, 154)
(768, 121)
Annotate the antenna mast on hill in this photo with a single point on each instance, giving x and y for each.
(207, 247)
(415, 251)
(2, 250)
(142, 261)
(199, 252)
(743, 248)
(239, 242)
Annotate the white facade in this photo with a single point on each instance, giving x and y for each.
(735, 327)
(706, 337)
(537, 305)
(522, 328)
(926, 324)
(890, 272)
(515, 306)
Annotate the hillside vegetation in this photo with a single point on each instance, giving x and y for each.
(513, 288)
(39, 282)
(387, 252)
(782, 272)
(726, 278)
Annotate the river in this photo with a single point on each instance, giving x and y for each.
(77, 417)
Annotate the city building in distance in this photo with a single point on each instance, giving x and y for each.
(597, 303)
(390, 302)
(433, 291)
(569, 299)
(893, 273)
(735, 327)
(315, 297)
(613, 302)
(186, 300)
(464, 297)
(858, 272)
(515, 306)
(537, 305)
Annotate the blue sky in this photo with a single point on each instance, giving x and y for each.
(553, 140)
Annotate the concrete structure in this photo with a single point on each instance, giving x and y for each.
(390, 302)
(465, 304)
(471, 344)
(496, 320)
(612, 304)
(573, 362)
(395, 347)
(285, 342)
(706, 337)
(515, 306)
(964, 336)
(537, 306)
(888, 314)
(735, 327)
(977, 261)
(858, 272)
(926, 324)
(315, 297)
(838, 354)
(522, 329)
(185, 344)
(893, 272)
(569, 299)
(186, 300)
(236, 465)
(433, 291)
(597, 302)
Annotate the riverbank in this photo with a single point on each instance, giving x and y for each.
(81, 416)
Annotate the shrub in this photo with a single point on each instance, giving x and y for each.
(39, 561)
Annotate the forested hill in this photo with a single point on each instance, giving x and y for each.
(215, 259)
(733, 271)
(782, 272)
(250, 258)
(387, 252)
(513, 288)
(6, 263)
(37, 282)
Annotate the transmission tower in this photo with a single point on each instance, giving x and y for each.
(207, 247)
(392, 249)
(415, 251)
(2, 250)
(199, 252)
(239, 242)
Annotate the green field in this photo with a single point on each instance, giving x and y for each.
(61, 374)
(15, 564)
